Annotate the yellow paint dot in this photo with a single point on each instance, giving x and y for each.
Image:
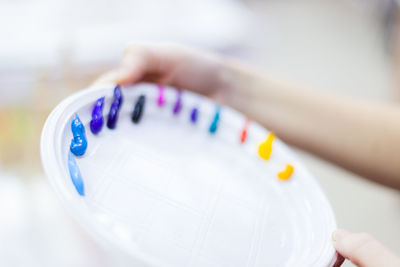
(285, 174)
(265, 149)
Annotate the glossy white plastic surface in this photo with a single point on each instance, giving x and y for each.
(165, 192)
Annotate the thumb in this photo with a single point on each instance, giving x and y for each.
(123, 75)
(363, 250)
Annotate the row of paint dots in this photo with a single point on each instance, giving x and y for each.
(79, 142)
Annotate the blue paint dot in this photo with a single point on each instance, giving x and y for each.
(138, 109)
(79, 142)
(115, 107)
(194, 115)
(75, 174)
(214, 124)
(96, 124)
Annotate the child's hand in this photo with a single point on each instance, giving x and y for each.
(363, 250)
(173, 65)
(360, 136)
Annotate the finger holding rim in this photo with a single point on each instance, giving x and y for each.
(139, 63)
(363, 250)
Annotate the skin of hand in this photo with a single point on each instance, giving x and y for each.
(363, 137)
(173, 65)
(363, 250)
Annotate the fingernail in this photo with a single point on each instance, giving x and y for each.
(339, 234)
(334, 235)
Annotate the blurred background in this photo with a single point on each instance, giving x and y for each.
(52, 48)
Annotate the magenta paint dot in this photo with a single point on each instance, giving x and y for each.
(160, 99)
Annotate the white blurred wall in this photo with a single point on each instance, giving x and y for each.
(44, 39)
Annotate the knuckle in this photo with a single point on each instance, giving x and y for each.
(147, 48)
(134, 48)
(173, 47)
(365, 237)
(365, 244)
(129, 48)
(360, 253)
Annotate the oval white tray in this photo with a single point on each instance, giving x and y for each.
(166, 192)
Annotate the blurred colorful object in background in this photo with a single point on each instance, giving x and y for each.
(15, 134)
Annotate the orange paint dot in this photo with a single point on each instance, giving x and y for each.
(265, 149)
(287, 173)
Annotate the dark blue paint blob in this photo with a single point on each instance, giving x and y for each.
(113, 116)
(194, 115)
(214, 124)
(118, 95)
(138, 110)
(75, 174)
(96, 124)
(115, 107)
(79, 142)
(178, 103)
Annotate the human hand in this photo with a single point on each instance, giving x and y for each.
(363, 250)
(174, 65)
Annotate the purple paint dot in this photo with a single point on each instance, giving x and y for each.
(193, 115)
(178, 103)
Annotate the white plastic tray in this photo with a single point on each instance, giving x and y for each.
(165, 192)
